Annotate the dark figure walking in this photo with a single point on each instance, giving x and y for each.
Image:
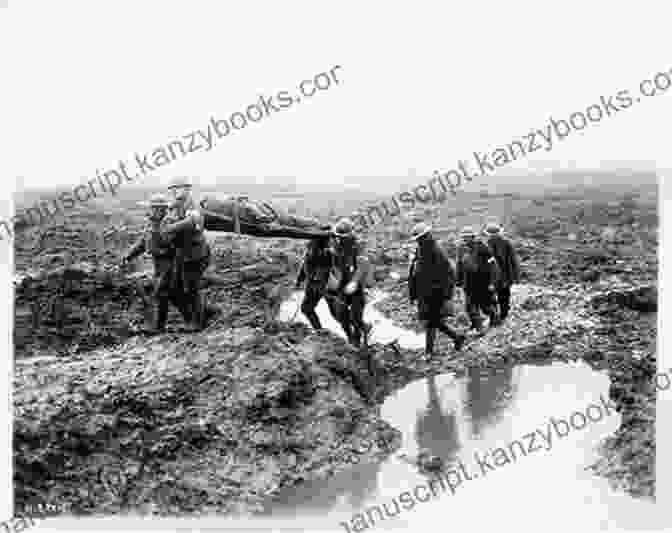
(315, 272)
(345, 290)
(509, 267)
(431, 281)
(163, 253)
(193, 251)
(477, 274)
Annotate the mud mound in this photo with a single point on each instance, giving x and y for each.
(75, 308)
(67, 303)
(59, 245)
(214, 422)
(629, 456)
(643, 299)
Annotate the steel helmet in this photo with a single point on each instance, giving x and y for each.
(419, 230)
(343, 228)
(467, 233)
(493, 229)
(159, 200)
(179, 183)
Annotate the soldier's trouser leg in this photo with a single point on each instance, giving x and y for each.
(311, 298)
(356, 303)
(504, 299)
(193, 271)
(430, 335)
(339, 310)
(434, 308)
(161, 312)
(489, 306)
(179, 300)
(473, 310)
(161, 294)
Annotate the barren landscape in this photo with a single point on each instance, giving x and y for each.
(224, 420)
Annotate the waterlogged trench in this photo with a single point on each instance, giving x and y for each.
(538, 478)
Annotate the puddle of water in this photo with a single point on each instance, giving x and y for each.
(457, 417)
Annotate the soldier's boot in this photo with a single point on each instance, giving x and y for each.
(360, 328)
(158, 318)
(494, 317)
(161, 315)
(182, 304)
(196, 312)
(356, 338)
(208, 311)
(504, 310)
(476, 322)
(349, 333)
(458, 338)
(361, 333)
(314, 321)
(430, 335)
(211, 311)
(366, 331)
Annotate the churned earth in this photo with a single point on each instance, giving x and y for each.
(112, 421)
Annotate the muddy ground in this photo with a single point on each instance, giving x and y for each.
(111, 421)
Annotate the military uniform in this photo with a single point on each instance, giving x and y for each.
(477, 274)
(509, 268)
(193, 252)
(431, 281)
(315, 272)
(193, 257)
(345, 291)
(163, 252)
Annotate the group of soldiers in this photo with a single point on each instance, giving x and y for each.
(176, 241)
(485, 272)
(335, 269)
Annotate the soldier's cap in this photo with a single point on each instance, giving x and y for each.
(343, 228)
(493, 228)
(159, 200)
(419, 230)
(467, 233)
(179, 183)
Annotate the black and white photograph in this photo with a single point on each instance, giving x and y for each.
(346, 267)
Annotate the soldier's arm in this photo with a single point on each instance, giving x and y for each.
(193, 219)
(412, 292)
(491, 261)
(137, 249)
(459, 275)
(363, 266)
(302, 274)
(451, 272)
(515, 264)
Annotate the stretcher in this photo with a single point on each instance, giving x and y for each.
(257, 219)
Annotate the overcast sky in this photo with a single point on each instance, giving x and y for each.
(421, 87)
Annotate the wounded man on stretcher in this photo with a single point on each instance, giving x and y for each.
(258, 219)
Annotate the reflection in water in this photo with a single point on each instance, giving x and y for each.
(454, 418)
(351, 489)
(489, 394)
(366, 477)
(436, 430)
